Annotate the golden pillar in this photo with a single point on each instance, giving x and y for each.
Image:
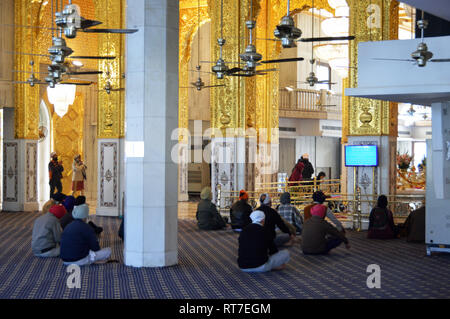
(368, 121)
(26, 97)
(111, 107)
(370, 20)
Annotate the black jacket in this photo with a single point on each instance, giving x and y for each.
(240, 214)
(254, 244)
(308, 170)
(272, 220)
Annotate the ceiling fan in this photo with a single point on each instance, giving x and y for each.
(108, 88)
(251, 58)
(199, 84)
(312, 80)
(71, 21)
(421, 56)
(288, 33)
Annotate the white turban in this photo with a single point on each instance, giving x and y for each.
(257, 216)
(80, 211)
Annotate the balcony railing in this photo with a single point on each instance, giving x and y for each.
(310, 100)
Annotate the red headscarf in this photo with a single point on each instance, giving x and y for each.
(319, 210)
(58, 210)
(243, 194)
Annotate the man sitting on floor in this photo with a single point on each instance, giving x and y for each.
(208, 218)
(79, 244)
(290, 213)
(254, 247)
(240, 212)
(319, 237)
(319, 198)
(47, 233)
(272, 220)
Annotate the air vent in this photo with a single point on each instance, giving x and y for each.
(288, 129)
(404, 132)
(428, 133)
(331, 128)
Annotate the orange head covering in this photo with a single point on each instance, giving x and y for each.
(319, 210)
(243, 194)
(58, 210)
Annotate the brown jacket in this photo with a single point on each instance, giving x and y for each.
(313, 235)
(307, 211)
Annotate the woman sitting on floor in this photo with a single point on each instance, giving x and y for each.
(381, 221)
(208, 218)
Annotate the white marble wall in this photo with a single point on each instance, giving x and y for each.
(20, 175)
(151, 177)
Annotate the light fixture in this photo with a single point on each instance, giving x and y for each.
(336, 53)
(61, 96)
(289, 88)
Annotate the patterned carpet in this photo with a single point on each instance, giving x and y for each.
(207, 269)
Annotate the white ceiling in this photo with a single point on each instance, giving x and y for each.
(439, 8)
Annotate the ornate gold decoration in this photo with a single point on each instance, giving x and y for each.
(68, 136)
(26, 97)
(188, 28)
(111, 110)
(371, 20)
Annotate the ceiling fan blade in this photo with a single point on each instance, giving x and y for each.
(187, 87)
(223, 62)
(389, 59)
(242, 74)
(345, 38)
(120, 31)
(27, 26)
(212, 86)
(440, 60)
(93, 57)
(84, 72)
(267, 70)
(265, 39)
(283, 60)
(76, 83)
(85, 23)
(201, 71)
(328, 105)
(233, 70)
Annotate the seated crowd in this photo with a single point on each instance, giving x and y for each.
(265, 231)
(62, 232)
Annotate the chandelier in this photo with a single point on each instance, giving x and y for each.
(336, 53)
(61, 96)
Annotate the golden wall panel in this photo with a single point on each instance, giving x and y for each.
(68, 137)
(188, 25)
(371, 20)
(111, 107)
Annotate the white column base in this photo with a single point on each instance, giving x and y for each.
(151, 259)
(20, 175)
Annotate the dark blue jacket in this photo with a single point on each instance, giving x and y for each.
(76, 241)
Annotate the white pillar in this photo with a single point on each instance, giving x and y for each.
(151, 115)
(20, 175)
(228, 167)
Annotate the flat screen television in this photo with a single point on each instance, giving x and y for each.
(361, 155)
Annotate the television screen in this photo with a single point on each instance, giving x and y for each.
(361, 155)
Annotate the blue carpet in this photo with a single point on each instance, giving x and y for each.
(207, 269)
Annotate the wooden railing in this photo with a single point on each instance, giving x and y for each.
(310, 100)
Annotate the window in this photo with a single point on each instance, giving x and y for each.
(323, 73)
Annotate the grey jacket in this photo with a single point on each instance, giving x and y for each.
(46, 233)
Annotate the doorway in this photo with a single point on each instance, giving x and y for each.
(44, 147)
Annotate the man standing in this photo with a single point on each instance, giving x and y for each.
(55, 170)
(308, 170)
